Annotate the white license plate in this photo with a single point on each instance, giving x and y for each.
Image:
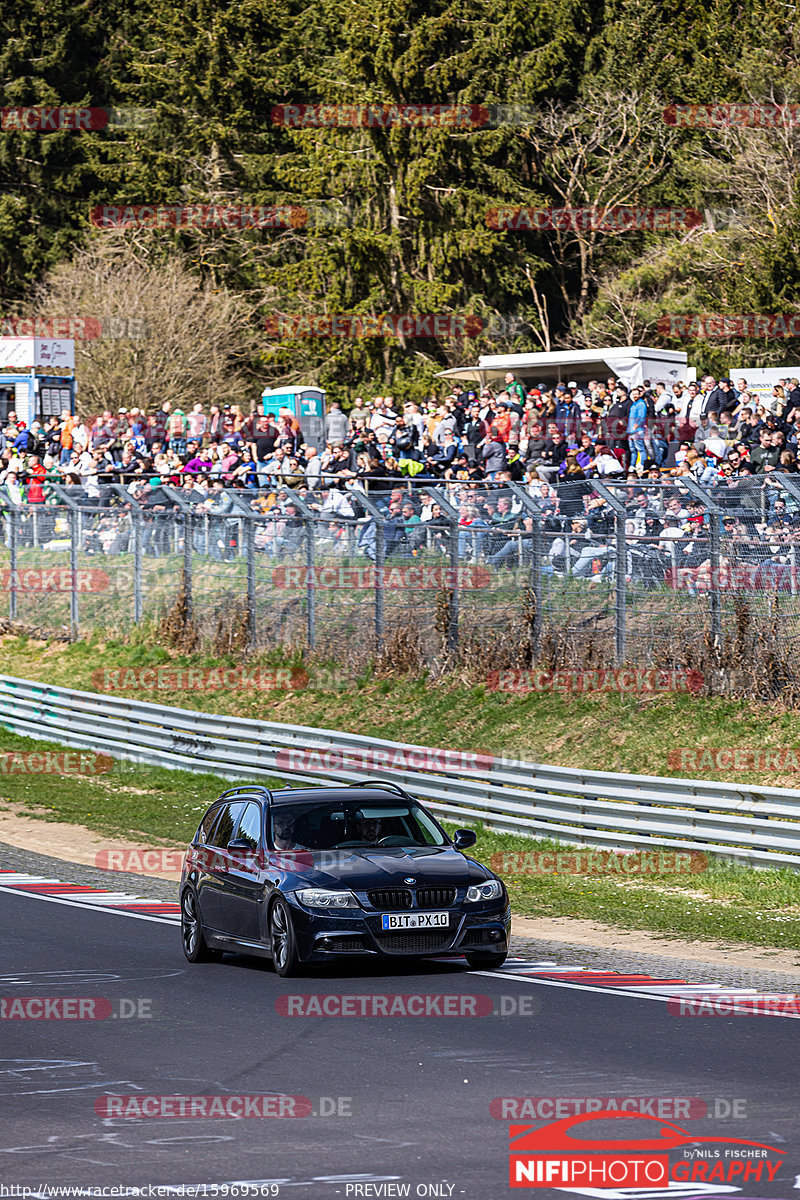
(415, 920)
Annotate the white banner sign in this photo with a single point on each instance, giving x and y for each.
(48, 356)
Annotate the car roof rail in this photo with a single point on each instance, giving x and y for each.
(383, 783)
(246, 787)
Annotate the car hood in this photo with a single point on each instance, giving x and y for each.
(429, 866)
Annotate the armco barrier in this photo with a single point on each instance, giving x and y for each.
(759, 824)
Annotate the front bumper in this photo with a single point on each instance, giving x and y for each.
(323, 935)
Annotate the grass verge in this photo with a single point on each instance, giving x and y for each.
(607, 732)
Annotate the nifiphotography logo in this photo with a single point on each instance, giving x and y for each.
(564, 1154)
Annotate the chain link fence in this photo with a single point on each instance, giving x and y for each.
(583, 573)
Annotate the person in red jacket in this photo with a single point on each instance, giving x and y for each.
(35, 472)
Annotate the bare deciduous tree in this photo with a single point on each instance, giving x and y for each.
(164, 333)
(604, 153)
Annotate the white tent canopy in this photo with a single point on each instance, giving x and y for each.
(631, 364)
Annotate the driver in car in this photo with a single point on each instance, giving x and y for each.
(369, 829)
(283, 832)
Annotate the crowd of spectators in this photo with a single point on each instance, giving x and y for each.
(706, 429)
(550, 440)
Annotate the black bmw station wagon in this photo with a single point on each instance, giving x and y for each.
(307, 875)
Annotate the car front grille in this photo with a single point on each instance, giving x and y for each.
(396, 898)
(415, 941)
(402, 898)
(435, 897)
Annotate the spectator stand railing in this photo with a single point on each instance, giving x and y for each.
(582, 550)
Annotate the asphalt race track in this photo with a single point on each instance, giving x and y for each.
(409, 1096)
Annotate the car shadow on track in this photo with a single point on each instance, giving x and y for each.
(355, 968)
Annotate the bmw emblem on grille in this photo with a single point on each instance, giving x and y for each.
(409, 879)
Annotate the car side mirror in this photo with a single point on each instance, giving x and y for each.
(240, 844)
(464, 838)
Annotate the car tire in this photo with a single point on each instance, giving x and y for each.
(483, 961)
(282, 940)
(195, 947)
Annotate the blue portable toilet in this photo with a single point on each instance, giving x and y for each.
(304, 401)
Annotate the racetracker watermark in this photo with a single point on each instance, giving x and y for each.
(732, 577)
(163, 862)
(47, 119)
(420, 1004)
(366, 325)
(720, 1004)
(720, 325)
(198, 216)
(618, 219)
(55, 579)
(734, 758)
(141, 862)
(391, 578)
(600, 862)
(461, 117)
(522, 681)
(47, 762)
(192, 679)
(665, 1108)
(720, 116)
(369, 758)
(79, 329)
(204, 1107)
(496, 326)
(73, 1008)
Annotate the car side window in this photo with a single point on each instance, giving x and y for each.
(207, 824)
(223, 830)
(250, 825)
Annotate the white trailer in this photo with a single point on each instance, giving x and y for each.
(631, 364)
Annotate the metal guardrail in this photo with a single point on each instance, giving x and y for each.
(759, 825)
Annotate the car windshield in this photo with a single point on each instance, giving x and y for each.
(338, 825)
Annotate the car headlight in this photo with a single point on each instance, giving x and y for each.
(321, 898)
(492, 889)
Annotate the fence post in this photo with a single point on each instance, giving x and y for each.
(303, 506)
(187, 566)
(714, 514)
(13, 578)
(311, 594)
(74, 533)
(536, 587)
(452, 624)
(620, 571)
(620, 566)
(371, 509)
(715, 594)
(441, 497)
(380, 562)
(250, 541)
(531, 509)
(136, 519)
